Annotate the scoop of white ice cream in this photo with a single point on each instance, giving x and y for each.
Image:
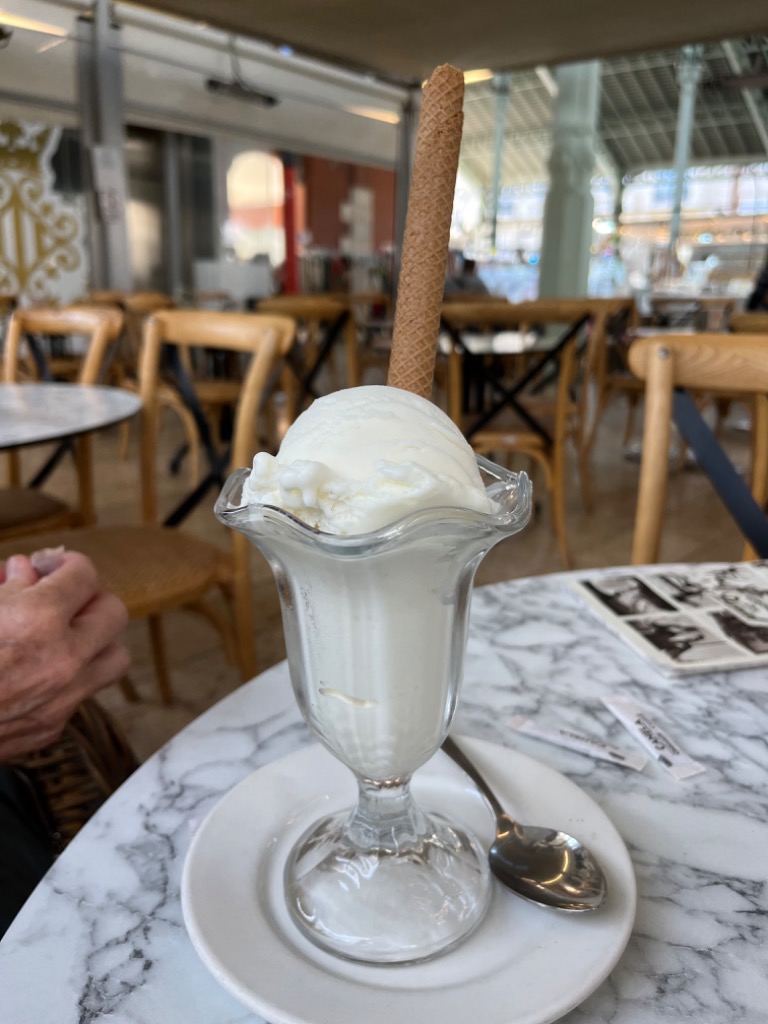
(361, 458)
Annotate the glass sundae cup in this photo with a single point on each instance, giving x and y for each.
(375, 628)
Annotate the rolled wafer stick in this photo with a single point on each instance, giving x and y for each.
(427, 231)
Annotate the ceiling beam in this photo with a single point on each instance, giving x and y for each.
(756, 109)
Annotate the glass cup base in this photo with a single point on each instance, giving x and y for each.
(384, 906)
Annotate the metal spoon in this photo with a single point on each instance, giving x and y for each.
(540, 864)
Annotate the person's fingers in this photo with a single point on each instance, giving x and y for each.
(19, 746)
(99, 623)
(19, 572)
(109, 666)
(40, 721)
(43, 718)
(27, 570)
(47, 559)
(72, 584)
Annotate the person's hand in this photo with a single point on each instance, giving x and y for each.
(58, 645)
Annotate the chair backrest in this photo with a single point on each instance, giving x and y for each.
(105, 297)
(100, 325)
(304, 306)
(146, 302)
(520, 315)
(701, 362)
(266, 338)
(451, 299)
(523, 316)
(566, 371)
(749, 323)
(138, 306)
(314, 312)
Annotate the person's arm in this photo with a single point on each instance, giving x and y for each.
(59, 643)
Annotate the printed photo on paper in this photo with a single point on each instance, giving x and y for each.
(688, 620)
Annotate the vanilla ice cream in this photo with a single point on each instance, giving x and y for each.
(361, 458)
(375, 633)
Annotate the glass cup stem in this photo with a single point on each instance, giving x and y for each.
(386, 818)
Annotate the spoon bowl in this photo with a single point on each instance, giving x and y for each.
(543, 865)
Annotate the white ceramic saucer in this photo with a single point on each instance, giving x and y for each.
(524, 963)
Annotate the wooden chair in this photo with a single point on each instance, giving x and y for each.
(74, 775)
(493, 316)
(320, 321)
(702, 363)
(739, 323)
(138, 306)
(749, 323)
(25, 510)
(607, 375)
(722, 399)
(506, 434)
(155, 568)
(218, 382)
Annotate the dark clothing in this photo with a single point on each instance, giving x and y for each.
(26, 848)
(758, 300)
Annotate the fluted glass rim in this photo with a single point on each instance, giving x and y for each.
(512, 490)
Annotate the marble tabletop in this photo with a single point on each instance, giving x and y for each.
(102, 938)
(38, 412)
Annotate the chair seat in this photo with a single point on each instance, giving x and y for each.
(150, 568)
(504, 439)
(22, 507)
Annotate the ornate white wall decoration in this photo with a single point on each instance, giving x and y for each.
(42, 255)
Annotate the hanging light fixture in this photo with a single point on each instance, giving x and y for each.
(238, 88)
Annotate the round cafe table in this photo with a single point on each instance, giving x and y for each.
(103, 938)
(35, 413)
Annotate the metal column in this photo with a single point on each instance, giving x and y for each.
(567, 232)
(100, 102)
(501, 89)
(688, 74)
(172, 229)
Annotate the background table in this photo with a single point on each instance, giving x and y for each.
(102, 938)
(36, 413)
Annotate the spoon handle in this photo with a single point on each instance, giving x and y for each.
(456, 754)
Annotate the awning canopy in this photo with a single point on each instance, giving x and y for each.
(403, 40)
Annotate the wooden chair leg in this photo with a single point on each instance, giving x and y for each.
(722, 407)
(240, 600)
(158, 656)
(219, 622)
(601, 403)
(585, 475)
(558, 507)
(125, 439)
(581, 444)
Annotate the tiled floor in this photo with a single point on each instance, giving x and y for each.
(697, 529)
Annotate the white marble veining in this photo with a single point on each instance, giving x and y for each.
(102, 938)
(39, 412)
